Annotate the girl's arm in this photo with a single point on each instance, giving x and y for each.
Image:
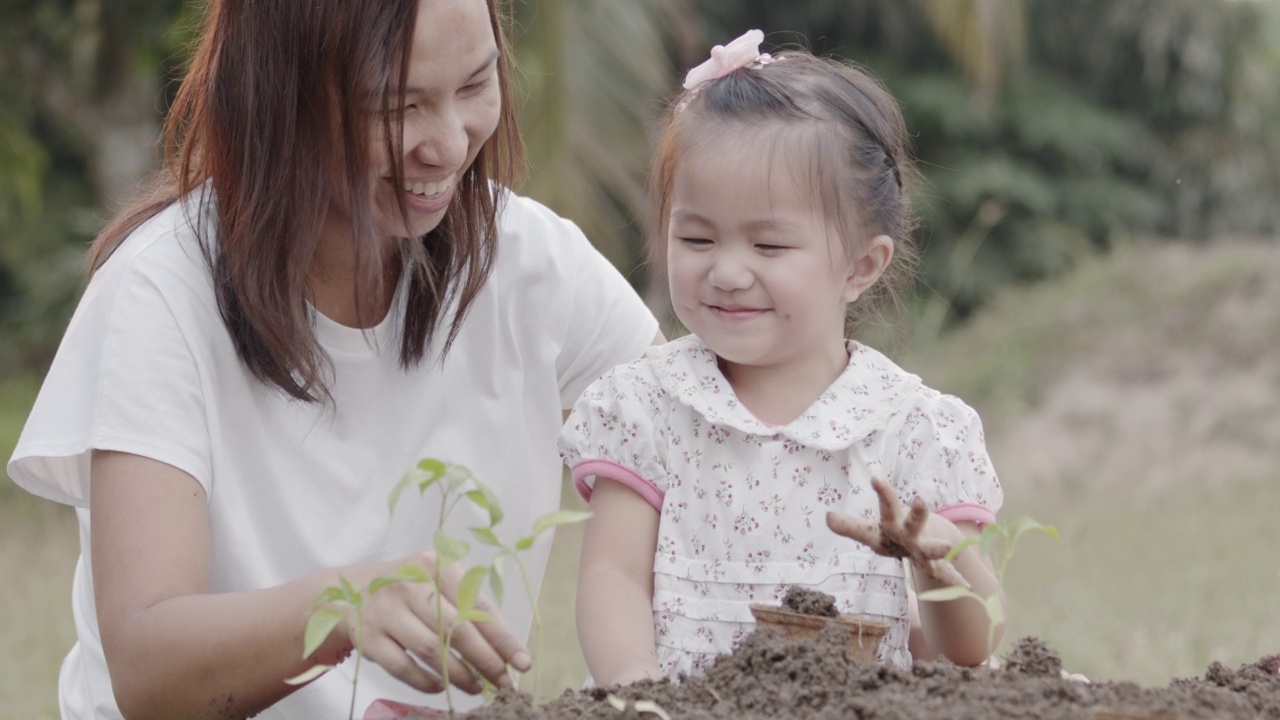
(957, 629)
(175, 650)
(615, 586)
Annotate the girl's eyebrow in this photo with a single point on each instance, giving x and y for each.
(414, 89)
(753, 226)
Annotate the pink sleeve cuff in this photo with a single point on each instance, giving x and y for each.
(968, 512)
(617, 473)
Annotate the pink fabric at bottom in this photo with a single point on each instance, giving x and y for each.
(392, 710)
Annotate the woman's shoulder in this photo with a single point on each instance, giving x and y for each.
(164, 248)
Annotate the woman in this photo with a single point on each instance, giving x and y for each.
(330, 283)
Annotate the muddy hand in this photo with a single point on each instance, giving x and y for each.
(899, 534)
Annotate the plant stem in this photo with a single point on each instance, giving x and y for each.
(537, 628)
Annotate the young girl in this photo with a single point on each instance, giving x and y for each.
(714, 464)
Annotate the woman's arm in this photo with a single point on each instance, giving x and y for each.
(175, 650)
(615, 586)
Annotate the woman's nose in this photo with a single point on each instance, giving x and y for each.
(439, 141)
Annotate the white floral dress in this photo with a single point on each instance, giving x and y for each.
(743, 503)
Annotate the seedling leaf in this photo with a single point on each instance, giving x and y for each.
(469, 589)
(495, 580)
(995, 610)
(319, 625)
(960, 547)
(449, 549)
(314, 672)
(486, 536)
(555, 519)
(406, 573)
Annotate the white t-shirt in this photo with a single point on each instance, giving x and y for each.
(147, 367)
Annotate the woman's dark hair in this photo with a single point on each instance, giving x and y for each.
(270, 116)
(850, 132)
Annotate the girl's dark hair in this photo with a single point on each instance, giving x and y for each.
(846, 123)
(272, 115)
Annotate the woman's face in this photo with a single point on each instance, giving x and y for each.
(450, 109)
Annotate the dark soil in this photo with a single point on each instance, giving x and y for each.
(809, 602)
(767, 677)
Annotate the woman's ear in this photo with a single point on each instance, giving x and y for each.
(867, 268)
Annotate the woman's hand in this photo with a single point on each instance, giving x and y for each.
(901, 534)
(404, 632)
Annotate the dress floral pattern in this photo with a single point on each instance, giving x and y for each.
(743, 503)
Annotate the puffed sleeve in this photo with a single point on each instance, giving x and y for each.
(616, 429)
(941, 456)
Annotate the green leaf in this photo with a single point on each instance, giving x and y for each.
(306, 677)
(349, 592)
(486, 536)
(555, 519)
(960, 547)
(995, 609)
(524, 543)
(393, 499)
(469, 589)
(475, 616)
(945, 594)
(319, 626)
(495, 579)
(406, 573)
(326, 596)
(484, 497)
(449, 549)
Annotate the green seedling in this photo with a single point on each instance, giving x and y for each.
(455, 484)
(997, 541)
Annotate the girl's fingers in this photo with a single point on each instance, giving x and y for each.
(916, 518)
(865, 532)
(932, 549)
(890, 508)
(945, 572)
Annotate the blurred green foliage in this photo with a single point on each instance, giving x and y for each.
(1046, 130)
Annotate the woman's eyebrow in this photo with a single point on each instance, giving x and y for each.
(412, 89)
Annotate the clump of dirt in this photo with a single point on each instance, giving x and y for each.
(767, 676)
(809, 602)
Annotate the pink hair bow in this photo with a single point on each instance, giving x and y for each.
(743, 51)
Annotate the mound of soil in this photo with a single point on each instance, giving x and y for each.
(768, 677)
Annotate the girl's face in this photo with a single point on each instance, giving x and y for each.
(451, 107)
(755, 268)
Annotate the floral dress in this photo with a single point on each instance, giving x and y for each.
(743, 503)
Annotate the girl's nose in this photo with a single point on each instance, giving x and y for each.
(439, 141)
(729, 272)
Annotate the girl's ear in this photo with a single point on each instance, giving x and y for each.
(867, 268)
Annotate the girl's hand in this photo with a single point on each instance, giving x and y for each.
(402, 634)
(900, 534)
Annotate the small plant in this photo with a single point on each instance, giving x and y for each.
(455, 484)
(996, 538)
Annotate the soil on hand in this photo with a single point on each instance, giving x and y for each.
(768, 677)
(809, 602)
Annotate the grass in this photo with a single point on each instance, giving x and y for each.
(38, 549)
(1160, 570)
